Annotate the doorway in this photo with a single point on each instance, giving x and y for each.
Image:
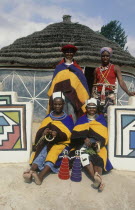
(89, 74)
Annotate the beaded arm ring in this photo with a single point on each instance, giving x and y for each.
(49, 139)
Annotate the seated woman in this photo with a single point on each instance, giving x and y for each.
(91, 137)
(51, 139)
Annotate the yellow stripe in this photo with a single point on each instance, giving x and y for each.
(100, 129)
(103, 155)
(59, 125)
(83, 108)
(95, 126)
(54, 152)
(45, 122)
(61, 76)
(75, 83)
(81, 127)
(64, 129)
(32, 157)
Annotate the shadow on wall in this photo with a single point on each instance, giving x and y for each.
(89, 74)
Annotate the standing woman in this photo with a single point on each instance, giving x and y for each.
(69, 78)
(51, 139)
(105, 78)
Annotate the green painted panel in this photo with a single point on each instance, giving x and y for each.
(1, 130)
(13, 115)
(17, 145)
(7, 98)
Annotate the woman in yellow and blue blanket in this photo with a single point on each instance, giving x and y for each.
(68, 77)
(51, 139)
(90, 136)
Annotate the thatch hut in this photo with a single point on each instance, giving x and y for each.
(28, 63)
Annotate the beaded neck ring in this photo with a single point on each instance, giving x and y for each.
(103, 68)
(57, 118)
(90, 118)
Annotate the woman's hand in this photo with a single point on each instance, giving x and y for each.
(131, 93)
(54, 134)
(97, 146)
(87, 142)
(46, 131)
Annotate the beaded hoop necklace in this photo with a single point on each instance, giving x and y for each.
(58, 118)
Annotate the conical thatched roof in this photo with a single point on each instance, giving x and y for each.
(42, 48)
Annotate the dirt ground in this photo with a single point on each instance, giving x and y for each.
(57, 194)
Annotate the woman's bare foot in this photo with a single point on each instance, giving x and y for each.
(37, 179)
(98, 182)
(101, 187)
(27, 175)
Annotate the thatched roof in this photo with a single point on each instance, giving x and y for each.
(42, 48)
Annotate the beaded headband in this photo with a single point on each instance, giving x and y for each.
(91, 100)
(58, 95)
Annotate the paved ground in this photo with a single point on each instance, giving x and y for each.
(56, 194)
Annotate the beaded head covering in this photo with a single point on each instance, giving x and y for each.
(108, 49)
(69, 47)
(91, 100)
(58, 95)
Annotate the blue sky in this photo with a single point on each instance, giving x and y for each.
(21, 18)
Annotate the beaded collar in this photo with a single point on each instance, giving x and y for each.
(58, 118)
(104, 68)
(90, 118)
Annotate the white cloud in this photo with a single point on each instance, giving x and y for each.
(23, 18)
(131, 45)
(16, 30)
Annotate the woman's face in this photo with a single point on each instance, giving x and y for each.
(91, 109)
(105, 58)
(58, 105)
(69, 54)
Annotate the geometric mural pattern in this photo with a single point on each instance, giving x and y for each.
(122, 97)
(15, 128)
(5, 99)
(125, 134)
(12, 127)
(30, 85)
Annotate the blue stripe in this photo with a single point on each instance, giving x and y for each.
(80, 76)
(82, 120)
(47, 116)
(100, 118)
(68, 122)
(108, 165)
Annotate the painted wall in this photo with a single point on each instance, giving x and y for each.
(31, 86)
(15, 128)
(121, 125)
